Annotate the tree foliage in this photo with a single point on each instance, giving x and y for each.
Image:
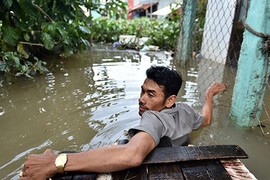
(31, 29)
(161, 32)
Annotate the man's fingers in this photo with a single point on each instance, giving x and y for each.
(23, 169)
(216, 88)
(21, 174)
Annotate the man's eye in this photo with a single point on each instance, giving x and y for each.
(151, 95)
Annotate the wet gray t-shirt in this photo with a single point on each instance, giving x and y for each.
(175, 123)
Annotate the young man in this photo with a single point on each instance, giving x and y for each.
(160, 116)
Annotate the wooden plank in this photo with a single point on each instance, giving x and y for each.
(75, 176)
(184, 163)
(186, 153)
(132, 173)
(161, 171)
(206, 169)
(188, 170)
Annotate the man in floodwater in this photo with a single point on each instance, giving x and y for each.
(161, 117)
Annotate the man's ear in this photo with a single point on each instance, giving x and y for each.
(170, 101)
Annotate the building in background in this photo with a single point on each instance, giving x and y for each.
(141, 8)
(151, 8)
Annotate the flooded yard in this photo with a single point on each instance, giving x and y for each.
(90, 99)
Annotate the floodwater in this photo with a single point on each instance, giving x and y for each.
(90, 99)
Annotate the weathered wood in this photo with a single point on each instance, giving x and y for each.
(186, 153)
(206, 169)
(188, 170)
(75, 176)
(161, 171)
(133, 173)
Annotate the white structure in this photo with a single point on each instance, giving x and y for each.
(161, 4)
(215, 45)
(163, 12)
(132, 39)
(217, 29)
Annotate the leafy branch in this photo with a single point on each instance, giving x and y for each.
(41, 10)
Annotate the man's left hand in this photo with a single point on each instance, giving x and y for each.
(39, 166)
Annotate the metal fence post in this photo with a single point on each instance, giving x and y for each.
(183, 47)
(253, 66)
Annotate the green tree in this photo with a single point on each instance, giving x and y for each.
(30, 29)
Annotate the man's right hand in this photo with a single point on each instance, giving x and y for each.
(216, 88)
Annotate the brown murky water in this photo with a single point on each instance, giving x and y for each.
(90, 99)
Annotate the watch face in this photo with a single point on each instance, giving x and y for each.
(60, 162)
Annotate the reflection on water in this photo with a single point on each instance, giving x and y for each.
(90, 99)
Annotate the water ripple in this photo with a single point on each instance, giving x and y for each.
(2, 111)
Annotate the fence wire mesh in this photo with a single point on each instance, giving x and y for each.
(220, 32)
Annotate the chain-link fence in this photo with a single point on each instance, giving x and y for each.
(221, 38)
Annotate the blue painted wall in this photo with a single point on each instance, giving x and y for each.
(251, 66)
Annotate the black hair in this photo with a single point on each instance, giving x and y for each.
(170, 79)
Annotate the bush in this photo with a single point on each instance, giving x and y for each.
(162, 33)
(31, 29)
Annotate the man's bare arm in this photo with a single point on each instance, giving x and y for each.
(105, 159)
(207, 109)
(114, 158)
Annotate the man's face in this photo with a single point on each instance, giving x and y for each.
(152, 97)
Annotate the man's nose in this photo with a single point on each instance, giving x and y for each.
(142, 99)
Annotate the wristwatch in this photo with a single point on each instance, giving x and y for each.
(60, 162)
